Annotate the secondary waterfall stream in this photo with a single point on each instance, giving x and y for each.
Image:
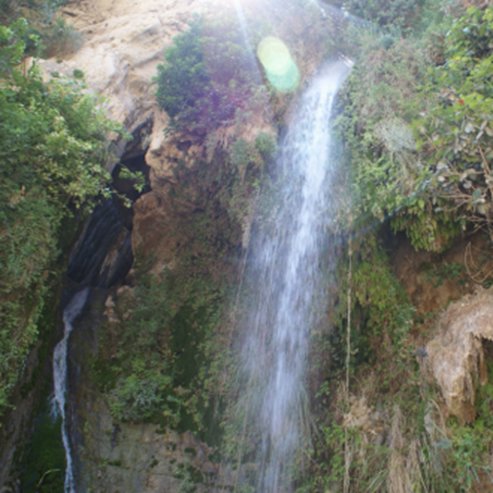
(285, 287)
(71, 312)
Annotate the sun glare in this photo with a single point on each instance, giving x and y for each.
(280, 68)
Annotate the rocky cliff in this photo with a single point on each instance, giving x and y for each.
(149, 357)
(191, 225)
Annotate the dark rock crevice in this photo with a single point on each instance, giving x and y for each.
(103, 255)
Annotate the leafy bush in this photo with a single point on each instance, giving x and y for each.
(52, 154)
(266, 145)
(379, 293)
(159, 367)
(469, 455)
(380, 100)
(207, 76)
(39, 12)
(456, 130)
(420, 139)
(466, 454)
(258, 152)
(382, 314)
(139, 397)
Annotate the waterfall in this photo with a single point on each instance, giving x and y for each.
(285, 289)
(71, 312)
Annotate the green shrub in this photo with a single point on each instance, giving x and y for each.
(47, 34)
(159, 369)
(380, 100)
(456, 129)
(467, 447)
(382, 314)
(207, 76)
(243, 153)
(468, 455)
(52, 154)
(379, 293)
(140, 397)
(420, 138)
(266, 145)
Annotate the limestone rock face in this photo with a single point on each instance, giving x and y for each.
(457, 355)
(123, 42)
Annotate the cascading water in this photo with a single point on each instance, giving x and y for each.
(71, 312)
(285, 288)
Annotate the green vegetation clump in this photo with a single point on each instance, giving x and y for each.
(158, 368)
(418, 127)
(11, 9)
(52, 154)
(381, 313)
(48, 35)
(455, 131)
(257, 153)
(381, 101)
(59, 38)
(380, 367)
(385, 311)
(469, 446)
(208, 76)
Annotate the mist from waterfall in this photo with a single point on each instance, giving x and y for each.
(284, 294)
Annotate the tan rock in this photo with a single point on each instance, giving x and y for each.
(155, 157)
(123, 44)
(456, 356)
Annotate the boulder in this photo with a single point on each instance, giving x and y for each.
(457, 356)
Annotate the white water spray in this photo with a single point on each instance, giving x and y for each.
(286, 292)
(71, 312)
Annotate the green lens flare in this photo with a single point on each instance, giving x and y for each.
(280, 68)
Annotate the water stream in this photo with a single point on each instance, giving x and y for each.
(286, 290)
(71, 312)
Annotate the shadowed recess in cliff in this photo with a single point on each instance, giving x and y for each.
(104, 230)
(284, 291)
(103, 254)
